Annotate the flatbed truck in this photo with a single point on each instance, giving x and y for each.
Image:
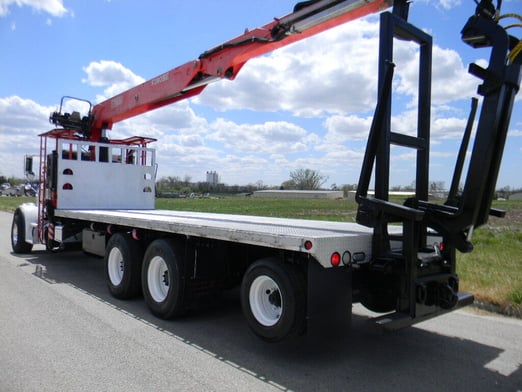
(293, 275)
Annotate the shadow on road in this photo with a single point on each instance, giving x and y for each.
(363, 359)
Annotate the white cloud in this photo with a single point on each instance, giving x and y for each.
(52, 7)
(268, 137)
(445, 4)
(333, 72)
(448, 127)
(179, 119)
(343, 128)
(450, 78)
(443, 154)
(22, 121)
(112, 75)
(22, 116)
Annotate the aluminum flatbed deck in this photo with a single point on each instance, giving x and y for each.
(290, 234)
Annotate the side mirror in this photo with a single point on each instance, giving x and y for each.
(28, 167)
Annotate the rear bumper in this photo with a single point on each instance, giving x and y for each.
(397, 320)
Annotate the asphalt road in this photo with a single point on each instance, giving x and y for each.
(61, 331)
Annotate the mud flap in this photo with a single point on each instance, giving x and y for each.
(329, 305)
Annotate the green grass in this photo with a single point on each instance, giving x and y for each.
(492, 272)
(337, 210)
(10, 203)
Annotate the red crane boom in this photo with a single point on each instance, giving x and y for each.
(224, 61)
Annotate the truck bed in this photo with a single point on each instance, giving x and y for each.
(288, 234)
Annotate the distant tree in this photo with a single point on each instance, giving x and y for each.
(288, 184)
(168, 184)
(437, 189)
(186, 190)
(15, 181)
(307, 179)
(410, 187)
(436, 186)
(349, 187)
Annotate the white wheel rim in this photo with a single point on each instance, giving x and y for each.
(158, 279)
(115, 265)
(14, 234)
(266, 302)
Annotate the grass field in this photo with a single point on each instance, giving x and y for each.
(492, 272)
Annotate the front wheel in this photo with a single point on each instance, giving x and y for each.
(18, 240)
(273, 299)
(163, 279)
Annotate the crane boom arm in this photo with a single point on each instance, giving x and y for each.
(226, 60)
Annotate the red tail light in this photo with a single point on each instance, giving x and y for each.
(335, 259)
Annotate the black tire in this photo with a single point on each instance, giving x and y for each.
(18, 242)
(123, 257)
(273, 299)
(163, 279)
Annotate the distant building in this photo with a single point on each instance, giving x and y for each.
(212, 177)
(516, 196)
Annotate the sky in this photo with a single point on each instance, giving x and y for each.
(308, 105)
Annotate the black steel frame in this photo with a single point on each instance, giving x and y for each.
(424, 280)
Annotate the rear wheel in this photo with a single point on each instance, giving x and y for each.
(18, 240)
(123, 258)
(163, 279)
(273, 299)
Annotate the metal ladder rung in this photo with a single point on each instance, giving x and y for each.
(403, 140)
